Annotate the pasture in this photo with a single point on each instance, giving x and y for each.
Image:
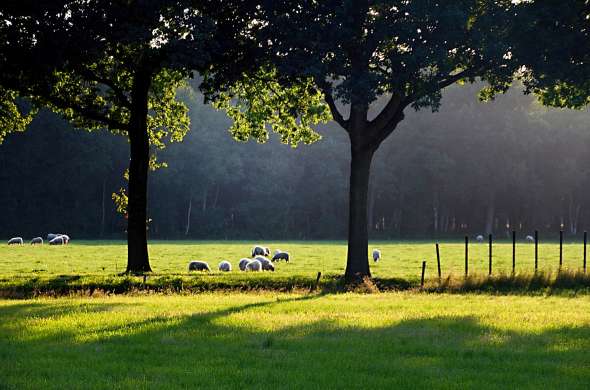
(270, 340)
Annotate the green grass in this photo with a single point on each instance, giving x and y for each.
(95, 264)
(270, 340)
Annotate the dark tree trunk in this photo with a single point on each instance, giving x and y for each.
(103, 208)
(137, 250)
(357, 263)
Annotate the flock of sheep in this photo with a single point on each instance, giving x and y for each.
(52, 238)
(529, 238)
(258, 261)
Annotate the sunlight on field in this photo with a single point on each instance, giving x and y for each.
(218, 340)
(400, 259)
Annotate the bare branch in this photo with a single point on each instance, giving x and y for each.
(327, 91)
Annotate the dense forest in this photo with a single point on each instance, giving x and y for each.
(471, 168)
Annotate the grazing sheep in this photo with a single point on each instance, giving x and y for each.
(376, 255)
(266, 264)
(15, 241)
(266, 251)
(258, 251)
(479, 238)
(243, 263)
(254, 266)
(198, 266)
(37, 240)
(225, 266)
(59, 240)
(51, 236)
(530, 238)
(65, 237)
(280, 255)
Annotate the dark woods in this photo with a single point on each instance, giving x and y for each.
(474, 168)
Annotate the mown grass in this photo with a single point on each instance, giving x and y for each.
(238, 340)
(91, 265)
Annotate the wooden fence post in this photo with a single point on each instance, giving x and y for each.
(423, 270)
(490, 254)
(536, 250)
(438, 261)
(585, 240)
(513, 251)
(466, 255)
(560, 249)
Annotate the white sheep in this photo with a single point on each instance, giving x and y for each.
(266, 263)
(530, 238)
(266, 251)
(280, 255)
(59, 240)
(376, 255)
(37, 240)
(479, 238)
(258, 251)
(16, 241)
(243, 263)
(65, 237)
(225, 266)
(198, 266)
(254, 266)
(51, 236)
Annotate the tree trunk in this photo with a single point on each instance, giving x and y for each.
(137, 250)
(103, 208)
(188, 217)
(357, 263)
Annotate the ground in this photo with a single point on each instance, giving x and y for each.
(277, 340)
(400, 259)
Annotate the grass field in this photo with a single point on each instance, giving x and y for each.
(239, 340)
(400, 259)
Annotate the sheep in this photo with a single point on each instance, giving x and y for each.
(376, 255)
(198, 266)
(225, 266)
(37, 240)
(51, 236)
(258, 251)
(59, 240)
(254, 266)
(65, 237)
(266, 251)
(530, 238)
(243, 263)
(15, 241)
(479, 238)
(266, 264)
(280, 255)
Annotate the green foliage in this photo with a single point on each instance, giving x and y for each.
(13, 118)
(258, 100)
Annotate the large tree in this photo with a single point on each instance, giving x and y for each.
(356, 51)
(115, 64)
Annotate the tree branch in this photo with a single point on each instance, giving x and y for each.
(387, 114)
(88, 113)
(119, 94)
(327, 91)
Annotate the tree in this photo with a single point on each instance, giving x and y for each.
(115, 64)
(354, 52)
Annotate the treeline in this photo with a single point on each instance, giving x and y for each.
(471, 168)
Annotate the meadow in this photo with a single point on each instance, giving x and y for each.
(33, 267)
(312, 341)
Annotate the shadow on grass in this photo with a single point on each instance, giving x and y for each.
(234, 348)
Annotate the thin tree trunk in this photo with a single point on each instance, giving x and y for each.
(216, 196)
(103, 208)
(490, 215)
(205, 198)
(357, 263)
(188, 217)
(137, 250)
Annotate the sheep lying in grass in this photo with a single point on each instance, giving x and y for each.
(225, 266)
(242, 264)
(280, 255)
(254, 266)
(376, 255)
(479, 238)
(15, 241)
(59, 240)
(198, 266)
(530, 238)
(266, 263)
(37, 240)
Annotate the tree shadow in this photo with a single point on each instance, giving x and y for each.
(239, 347)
